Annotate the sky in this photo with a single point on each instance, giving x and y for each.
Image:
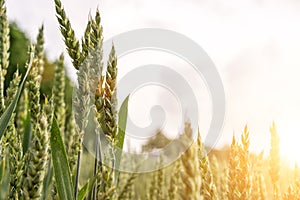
(254, 44)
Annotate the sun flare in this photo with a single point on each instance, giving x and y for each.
(290, 148)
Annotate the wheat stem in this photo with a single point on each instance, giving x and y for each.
(244, 183)
(274, 161)
(232, 192)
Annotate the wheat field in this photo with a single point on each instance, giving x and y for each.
(41, 135)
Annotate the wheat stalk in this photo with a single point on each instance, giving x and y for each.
(297, 181)
(223, 184)
(127, 191)
(82, 107)
(174, 182)
(160, 184)
(258, 189)
(274, 161)
(290, 194)
(37, 155)
(12, 140)
(38, 158)
(219, 177)
(152, 189)
(244, 182)
(16, 162)
(106, 103)
(190, 174)
(232, 192)
(106, 190)
(208, 188)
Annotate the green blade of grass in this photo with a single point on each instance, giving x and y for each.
(83, 191)
(122, 120)
(47, 181)
(5, 118)
(60, 164)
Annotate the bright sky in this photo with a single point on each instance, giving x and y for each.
(254, 44)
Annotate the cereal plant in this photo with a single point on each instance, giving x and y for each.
(42, 155)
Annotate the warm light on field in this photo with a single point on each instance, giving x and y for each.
(290, 148)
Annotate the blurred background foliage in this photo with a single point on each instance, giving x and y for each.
(19, 43)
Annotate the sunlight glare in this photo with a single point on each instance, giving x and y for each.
(290, 146)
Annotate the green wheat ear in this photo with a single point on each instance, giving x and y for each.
(12, 89)
(37, 154)
(39, 49)
(13, 141)
(4, 51)
(93, 37)
(59, 94)
(38, 158)
(110, 96)
(86, 40)
(69, 35)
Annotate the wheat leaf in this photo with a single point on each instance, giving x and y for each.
(47, 181)
(122, 120)
(122, 123)
(60, 164)
(83, 191)
(5, 118)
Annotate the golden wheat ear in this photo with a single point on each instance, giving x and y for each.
(233, 164)
(174, 184)
(244, 183)
(190, 173)
(208, 187)
(274, 168)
